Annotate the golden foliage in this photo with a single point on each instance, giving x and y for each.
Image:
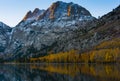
(105, 52)
(61, 57)
(105, 55)
(109, 44)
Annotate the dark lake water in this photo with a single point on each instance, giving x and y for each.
(59, 72)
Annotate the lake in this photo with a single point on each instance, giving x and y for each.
(59, 72)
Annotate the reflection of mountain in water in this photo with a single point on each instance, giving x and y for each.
(59, 72)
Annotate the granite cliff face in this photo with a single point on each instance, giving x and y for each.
(62, 27)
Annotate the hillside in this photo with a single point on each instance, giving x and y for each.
(108, 51)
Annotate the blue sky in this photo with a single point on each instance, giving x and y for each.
(12, 11)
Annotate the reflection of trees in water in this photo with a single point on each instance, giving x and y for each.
(99, 72)
(59, 72)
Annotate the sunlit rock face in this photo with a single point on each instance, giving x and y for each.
(33, 15)
(61, 10)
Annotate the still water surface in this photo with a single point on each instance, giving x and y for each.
(59, 72)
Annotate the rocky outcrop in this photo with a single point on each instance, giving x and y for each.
(33, 15)
(4, 36)
(61, 10)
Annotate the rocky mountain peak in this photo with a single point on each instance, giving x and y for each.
(60, 13)
(1, 24)
(4, 26)
(118, 8)
(36, 10)
(64, 10)
(28, 15)
(33, 15)
(111, 16)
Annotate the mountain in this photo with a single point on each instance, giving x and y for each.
(38, 37)
(62, 27)
(59, 12)
(5, 32)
